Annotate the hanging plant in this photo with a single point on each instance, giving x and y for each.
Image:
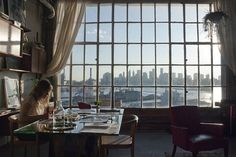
(212, 19)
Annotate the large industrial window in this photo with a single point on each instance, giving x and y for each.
(143, 55)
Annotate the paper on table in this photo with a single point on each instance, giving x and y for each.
(111, 129)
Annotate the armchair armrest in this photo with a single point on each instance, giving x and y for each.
(179, 135)
(216, 129)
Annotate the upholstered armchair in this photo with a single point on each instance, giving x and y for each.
(190, 134)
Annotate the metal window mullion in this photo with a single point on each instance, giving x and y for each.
(112, 60)
(70, 87)
(141, 51)
(212, 98)
(170, 45)
(198, 56)
(97, 63)
(155, 49)
(185, 60)
(127, 45)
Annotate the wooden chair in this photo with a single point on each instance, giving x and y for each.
(122, 141)
(14, 124)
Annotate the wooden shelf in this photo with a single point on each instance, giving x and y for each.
(14, 70)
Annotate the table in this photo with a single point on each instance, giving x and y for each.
(106, 122)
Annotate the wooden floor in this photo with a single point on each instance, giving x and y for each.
(148, 144)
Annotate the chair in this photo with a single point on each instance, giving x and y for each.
(14, 123)
(122, 141)
(190, 134)
(83, 105)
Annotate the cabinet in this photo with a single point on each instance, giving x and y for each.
(11, 56)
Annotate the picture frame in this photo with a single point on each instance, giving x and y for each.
(12, 93)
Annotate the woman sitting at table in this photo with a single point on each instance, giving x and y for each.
(35, 106)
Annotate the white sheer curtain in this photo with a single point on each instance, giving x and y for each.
(227, 32)
(69, 15)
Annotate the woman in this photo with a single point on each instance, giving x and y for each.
(35, 107)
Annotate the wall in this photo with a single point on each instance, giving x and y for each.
(34, 17)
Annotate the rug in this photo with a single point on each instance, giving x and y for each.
(211, 154)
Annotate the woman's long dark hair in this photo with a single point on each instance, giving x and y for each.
(41, 89)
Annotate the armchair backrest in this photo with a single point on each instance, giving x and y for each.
(83, 105)
(186, 116)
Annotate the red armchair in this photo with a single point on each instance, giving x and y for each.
(83, 105)
(190, 134)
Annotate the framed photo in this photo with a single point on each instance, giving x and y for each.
(12, 93)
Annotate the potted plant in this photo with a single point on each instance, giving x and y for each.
(97, 104)
(212, 19)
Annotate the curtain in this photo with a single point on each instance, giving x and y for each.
(226, 33)
(69, 16)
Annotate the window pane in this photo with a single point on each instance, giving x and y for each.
(120, 32)
(120, 12)
(190, 12)
(162, 32)
(105, 96)
(78, 54)
(205, 54)
(80, 35)
(104, 54)
(162, 97)
(176, 12)
(105, 32)
(148, 54)
(120, 54)
(64, 95)
(77, 95)
(77, 75)
(191, 75)
(205, 75)
(64, 76)
(176, 32)
(177, 96)
(177, 54)
(105, 12)
(162, 75)
(205, 97)
(91, 32)
(203, 35)
(162, 12)
(90, 54)
(216, 55)
(105, 75)
(177, 75)
(134, 32)
(162, 53)
(131, 97)
(134, 76)
(133, 12)
(191, 32)
(192, 96)
(217, 95)
(203, 9)
(89, 94)
(217, 75)
(148, 33)
(134, 54)
(148, 76)
(148, 97)
(191, 54)
(91, 13)
(90, 75)
(120, 75)
(148, 12)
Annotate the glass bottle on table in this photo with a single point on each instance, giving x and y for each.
(59, 114)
